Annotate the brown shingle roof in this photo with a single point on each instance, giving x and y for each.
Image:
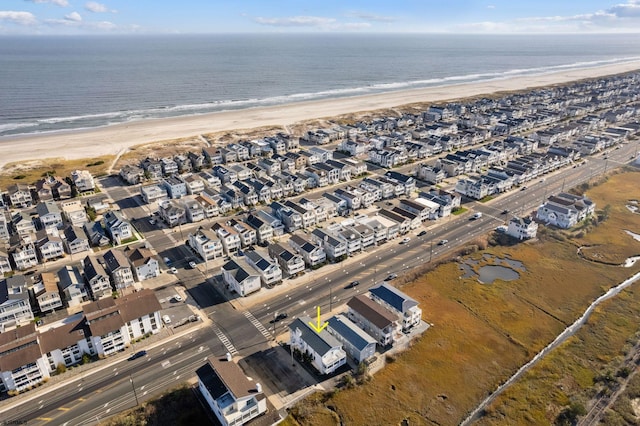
(139, 256)
(63, 336)
(232, 377)
(138, 304)
(103, 316)
(18, 347)
(378, 315)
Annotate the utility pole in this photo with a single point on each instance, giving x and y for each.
(134, 389)
(431, 252)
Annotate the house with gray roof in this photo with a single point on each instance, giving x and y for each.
(356, 342)
(96, 278)
(117, 227)
(398, 302)
(378, 321)
(71, 286)
(269, 270)
(313, 254)
(325, 350)
(240, 277)
(290, 262)
(15, 309)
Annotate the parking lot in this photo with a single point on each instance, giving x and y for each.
(175, 305)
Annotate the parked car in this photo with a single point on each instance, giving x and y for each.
(173, 270)
(166, 260)
(391, 277)
(442, 242)
(137, 355)
(405, 240)
(192, 264)
(166, 319)
(177, 298)
(523, 188)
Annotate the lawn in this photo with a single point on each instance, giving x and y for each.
(483, 333)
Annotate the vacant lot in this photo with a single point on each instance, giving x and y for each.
(483, 333)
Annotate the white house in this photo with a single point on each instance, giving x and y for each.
(117, 227)
(270, 272)
(325, 350)
(565, 210)
(522, 228)
(45, 293)
(118, 267)
(398, 302)
(205, 242)
(233, 398)
(14, 303)
(21, 363)
(240, 277)
(378, 321)
(71, 286)
(143, 262)
(96, 278)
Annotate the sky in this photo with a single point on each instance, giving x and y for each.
(51, 17)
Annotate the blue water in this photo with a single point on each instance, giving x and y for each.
(59, 83)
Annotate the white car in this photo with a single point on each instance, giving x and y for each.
(174, 270)
(405, 240)
(177, 298)
(192, 265)
(166, 319)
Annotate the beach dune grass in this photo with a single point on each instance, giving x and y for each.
(482, 334)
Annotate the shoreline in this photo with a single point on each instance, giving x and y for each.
(117, 138)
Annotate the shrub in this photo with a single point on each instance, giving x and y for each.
(61, 368)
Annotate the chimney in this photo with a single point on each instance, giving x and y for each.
(229, 356)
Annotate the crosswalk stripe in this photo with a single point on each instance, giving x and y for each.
(225, 341)
(261, 328)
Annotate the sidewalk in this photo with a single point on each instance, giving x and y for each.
(74, 374)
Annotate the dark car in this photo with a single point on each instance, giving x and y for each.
(505, 211)
(422, 233)
(137, 355)
(280, 317)
(353, 284)
(391, 277)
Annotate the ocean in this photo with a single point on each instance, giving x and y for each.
(59, 83)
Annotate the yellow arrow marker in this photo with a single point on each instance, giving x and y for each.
(319, 327)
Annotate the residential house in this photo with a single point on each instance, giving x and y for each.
(169, 166)
(152, 168)
(421, 207)
(24, 256)
(4, 227)
(399, 303)
(233, 398)
(49, 215)
(209, 206)
(115, 323)
(205, 242)
(376, 320)
(212, 155)
(172, 213)
(334, 247)
(96, 233)
(308, 215)
(325, 351)
(565, 210)
(355, 341)
(45, 294)
(5, 263)
(21, 363)
(273, 221)
(352, 199)
(404, 223)
(20, 195)
(131, 174)
(193, 183)
(240, 277)
(431, 174)
(96, 278)
(117, 227)
(270, 272)
(65, 343)
(71, 286)
(229, 237)
(83, 180)
(75, 240)
(52, 187)
(522, 228)
(15, 309)
(408, 182)
(194, 210)
(175, 187)
(23, 224)
(352, 238)
(74, 212)
(153, 193)
(117, 265)
(313, 254)
(143, 262)
(290, 262)
(248, 235)
(264, 231)
(49, 247)
(414, 219)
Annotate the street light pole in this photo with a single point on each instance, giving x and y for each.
(134, 389)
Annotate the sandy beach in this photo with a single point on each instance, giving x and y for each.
(117, 138)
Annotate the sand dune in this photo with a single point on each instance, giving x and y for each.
(116, 138)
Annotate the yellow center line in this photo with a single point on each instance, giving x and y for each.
(64, 408)
(81, 399)
(44, 419)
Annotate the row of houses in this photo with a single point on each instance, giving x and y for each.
(29, 356)
(377, 320)
(49, 188)
(70, 286)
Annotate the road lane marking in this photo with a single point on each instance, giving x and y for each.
(225, 341)
(64, 408)
(44, 419)
(261, 328)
